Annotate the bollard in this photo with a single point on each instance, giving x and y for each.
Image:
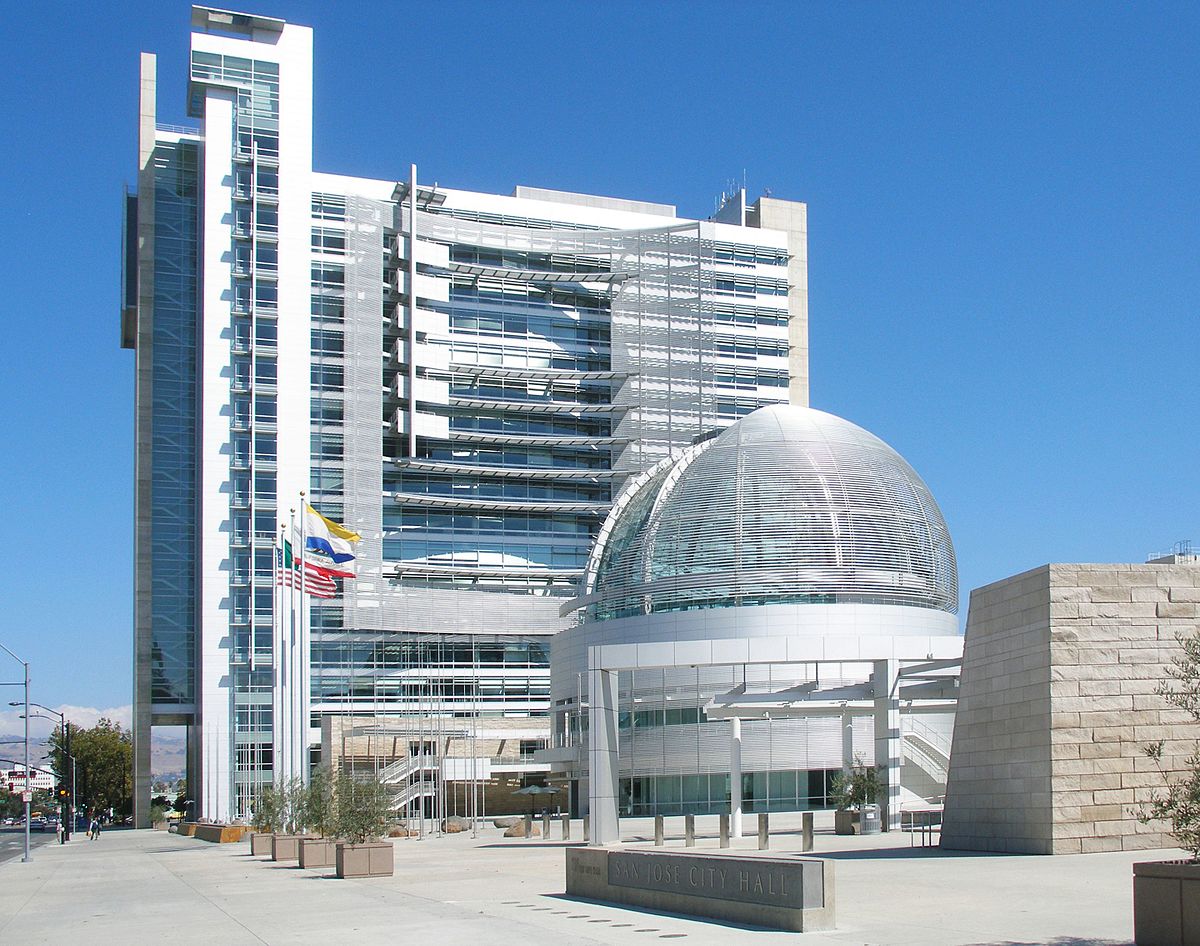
(528, 827)
(658, 830)
(689, 830)
(566, 827)
(764, 831)
(587, 827)
(724, 830)
(546, 825)
(806, 832)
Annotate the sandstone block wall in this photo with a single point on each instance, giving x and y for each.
(1057, 702)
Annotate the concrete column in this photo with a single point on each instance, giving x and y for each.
(689, 830)
(735, 776)
(847, 741)
(764, 831)
(546, 825)
(724, 831)
(658, 830)
(603, 770)
(528, 827)
(806, 831)
(566, 827)
(887, 737)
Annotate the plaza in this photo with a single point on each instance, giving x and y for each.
(891, 892)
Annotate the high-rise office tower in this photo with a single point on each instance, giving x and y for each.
(465, 379)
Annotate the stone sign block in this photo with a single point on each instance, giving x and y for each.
(788, 894)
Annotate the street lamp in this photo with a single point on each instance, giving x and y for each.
(65, 746)
(27, 795)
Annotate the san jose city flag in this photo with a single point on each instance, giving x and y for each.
(328, 545)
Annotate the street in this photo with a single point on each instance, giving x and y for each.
(12, 841)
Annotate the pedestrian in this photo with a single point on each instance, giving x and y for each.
(61, 831)
(98, 823)
(93, 828)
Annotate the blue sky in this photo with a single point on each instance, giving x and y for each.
(1004, 237)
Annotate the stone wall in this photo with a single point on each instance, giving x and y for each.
(1057, 702)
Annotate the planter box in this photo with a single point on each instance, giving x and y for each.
(365, 860)
(318, 852)
(220, 833)
(1166, 903)
(847, 822)
(260, 844)
(188, 829)
(286, 847)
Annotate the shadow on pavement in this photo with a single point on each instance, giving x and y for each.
(896, 853)
(1057, 941)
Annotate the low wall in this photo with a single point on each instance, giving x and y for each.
(794, 894)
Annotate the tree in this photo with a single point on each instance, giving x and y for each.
(181, 799)
(317, 810)
(103, 765)
(364, 808)
(861, 786)
(1180, 803)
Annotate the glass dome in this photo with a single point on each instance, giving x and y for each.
(788, 505)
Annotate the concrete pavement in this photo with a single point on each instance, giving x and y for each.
(158, 887)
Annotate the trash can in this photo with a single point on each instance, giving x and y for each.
(868, 820)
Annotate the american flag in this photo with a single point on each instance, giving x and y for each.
(316, 582)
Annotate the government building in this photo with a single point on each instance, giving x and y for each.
(466, 380)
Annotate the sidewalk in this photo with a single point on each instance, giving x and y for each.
(155, 887)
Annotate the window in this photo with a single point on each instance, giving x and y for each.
(326, 377)
(325, 240)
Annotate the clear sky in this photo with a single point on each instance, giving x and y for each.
(1004, 244)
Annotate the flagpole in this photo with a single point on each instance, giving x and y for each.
(276, 664)
(291, 662)
(305, 647)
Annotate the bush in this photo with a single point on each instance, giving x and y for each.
(1180, 803)
(861, 786)
(363, 809)
(158, 814)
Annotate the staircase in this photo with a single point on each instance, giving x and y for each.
(925, 748)
(401, 772)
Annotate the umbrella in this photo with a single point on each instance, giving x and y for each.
(534, 790)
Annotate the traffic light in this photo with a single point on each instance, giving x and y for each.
(62, 793)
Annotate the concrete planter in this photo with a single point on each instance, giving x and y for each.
(286, 847)
(846, 822)
(220, 833)
(1166, 903)
(260, 844)
(318, 852)
(188, 829)
(365, 860)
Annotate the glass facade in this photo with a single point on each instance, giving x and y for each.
(708, 794)
(173, 437)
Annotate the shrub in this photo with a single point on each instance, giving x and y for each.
(1180, 803)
